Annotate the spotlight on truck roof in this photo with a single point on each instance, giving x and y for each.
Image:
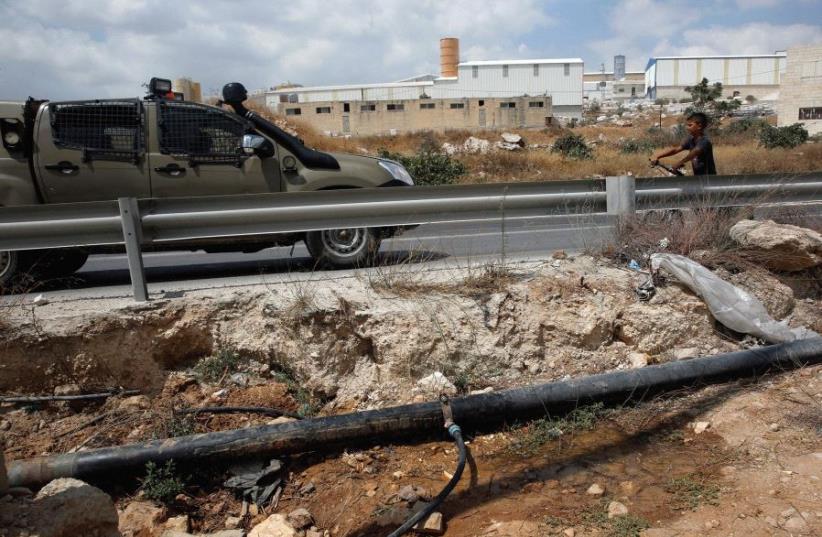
(160, 87)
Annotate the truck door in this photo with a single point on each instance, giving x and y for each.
(194, 150)
(91, 150)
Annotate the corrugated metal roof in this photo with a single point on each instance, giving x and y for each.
(721, 56)
(522, 62)
(303, 89)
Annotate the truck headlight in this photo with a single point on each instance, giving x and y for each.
(397, 171)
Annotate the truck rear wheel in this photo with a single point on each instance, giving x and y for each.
(342, 248)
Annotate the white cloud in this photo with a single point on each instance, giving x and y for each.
(73, 48)
(754, 38)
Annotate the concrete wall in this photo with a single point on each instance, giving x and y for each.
(331, 117)
(801, 87)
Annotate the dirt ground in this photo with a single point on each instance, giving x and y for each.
(738, 459)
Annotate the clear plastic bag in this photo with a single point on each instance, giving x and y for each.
(729, 304)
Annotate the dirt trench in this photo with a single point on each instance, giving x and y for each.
(364, 343)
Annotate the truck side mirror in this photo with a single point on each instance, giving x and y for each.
(254, 144)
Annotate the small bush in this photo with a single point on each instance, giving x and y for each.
(665, 137)
(594, 107)
(213, 368)
(572, 146)
(750, 99)
(790, 136)
(686, 100)
(636, 145)
(429, 167)
(662, 101)
(161, 483)
(748, 125)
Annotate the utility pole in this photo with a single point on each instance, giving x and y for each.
(602, 84)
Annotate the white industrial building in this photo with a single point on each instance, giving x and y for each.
(558, 79)
(759, 75)
(800, 99)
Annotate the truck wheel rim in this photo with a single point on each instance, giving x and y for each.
(5, 263)
(344, 242)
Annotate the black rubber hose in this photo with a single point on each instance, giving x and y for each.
(267, 411)
(378, 426)
(456, 433)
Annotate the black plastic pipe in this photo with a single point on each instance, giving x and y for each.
(377, 426)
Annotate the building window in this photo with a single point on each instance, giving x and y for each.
(427, 106)
(621, 90)
(346, 107)
(536, 69)
(454, 106)
(293, 111)
(508, 105)
(293, 98)
(536, 104)
(567, 68)
(810, 113)
(474, 71)
(482, 102)
(633, 91)
(395, 107)
(323, 109)
(368, 107)
(504, 71)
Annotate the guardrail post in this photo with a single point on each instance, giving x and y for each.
(620, 195)
(133, 236)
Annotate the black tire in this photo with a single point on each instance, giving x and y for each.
(57, 263)
(10, 269)
(343, 248)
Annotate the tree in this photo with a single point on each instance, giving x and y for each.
(707, 98)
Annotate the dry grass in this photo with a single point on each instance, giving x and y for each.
(734, 154)
(479, 281)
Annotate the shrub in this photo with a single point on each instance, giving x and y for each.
(594, 107)
(746, 125)
(790, 136)
(634, 145)
(213, 368)
(429, 167)
(750, 99)
(572, 146)
(686, 100)
(161, 483)
(662, 101)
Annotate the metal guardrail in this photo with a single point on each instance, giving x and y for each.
(137, 223)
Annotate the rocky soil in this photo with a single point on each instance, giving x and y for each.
(741, 458)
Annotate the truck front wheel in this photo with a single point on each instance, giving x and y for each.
(343, 248)
(9, 270)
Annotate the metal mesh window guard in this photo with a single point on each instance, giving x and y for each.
(102, 130)
(202, 134)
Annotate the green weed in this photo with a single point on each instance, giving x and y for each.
(691, 491)
(530, 437)
(214, 368)
(161, 483)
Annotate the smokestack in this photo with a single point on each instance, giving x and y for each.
(449, 56)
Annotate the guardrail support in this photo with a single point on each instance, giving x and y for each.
(133, 237)
(620, 195)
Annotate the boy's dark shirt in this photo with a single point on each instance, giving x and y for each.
(704, 162)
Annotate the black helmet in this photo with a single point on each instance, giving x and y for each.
(234, 92)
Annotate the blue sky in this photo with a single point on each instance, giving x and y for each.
(105, 48)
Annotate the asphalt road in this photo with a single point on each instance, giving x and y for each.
(431, 244)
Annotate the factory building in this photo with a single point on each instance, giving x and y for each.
(800, 97)
(617, 85)
(758, 75)
(474, 94)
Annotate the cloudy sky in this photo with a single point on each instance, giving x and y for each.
(63, 49)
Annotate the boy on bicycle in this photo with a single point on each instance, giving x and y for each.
(698, 145)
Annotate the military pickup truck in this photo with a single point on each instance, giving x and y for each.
(159, 147)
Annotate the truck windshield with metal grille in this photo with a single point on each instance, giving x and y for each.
(102, 130)
(201, 133)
